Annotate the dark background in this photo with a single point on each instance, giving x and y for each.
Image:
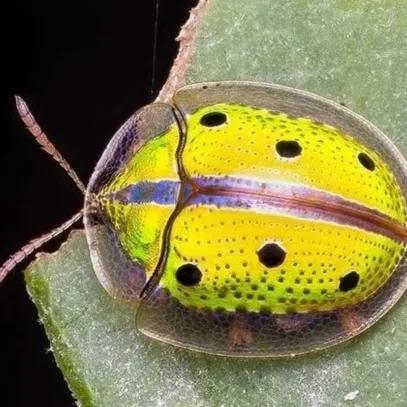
(83, 66)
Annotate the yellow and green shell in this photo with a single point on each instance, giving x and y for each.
(250, 219)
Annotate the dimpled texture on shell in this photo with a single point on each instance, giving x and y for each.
(224, 240)
(266, 221)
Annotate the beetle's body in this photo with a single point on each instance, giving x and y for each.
(242, 195)
(238, 209)
(246, 219)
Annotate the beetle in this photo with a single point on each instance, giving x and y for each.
(245, 219)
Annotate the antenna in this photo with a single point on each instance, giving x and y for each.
(35, 244)
(42, 139)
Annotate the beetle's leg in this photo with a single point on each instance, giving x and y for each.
(291, 323)
(32, 125)
(35, 244)
(239, 333)
(350, 319)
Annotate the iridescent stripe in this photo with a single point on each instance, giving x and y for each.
(164, 192)
(248, 194)
(295, 200)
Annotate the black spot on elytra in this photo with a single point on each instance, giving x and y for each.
(271, 255)
(213, 119)
(366, 161)
(288, 149)
(349, 281)
(188, 275)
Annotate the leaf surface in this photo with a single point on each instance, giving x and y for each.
(347, 50)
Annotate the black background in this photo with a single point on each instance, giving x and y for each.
(83, 66)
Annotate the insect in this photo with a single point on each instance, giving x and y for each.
(246, 219)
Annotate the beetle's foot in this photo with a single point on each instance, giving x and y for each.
(350, 319)
(240, 334)
(291, 323)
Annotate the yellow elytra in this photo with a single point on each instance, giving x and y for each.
(224, 242)
(242, 200)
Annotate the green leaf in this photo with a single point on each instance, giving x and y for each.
(347, 50)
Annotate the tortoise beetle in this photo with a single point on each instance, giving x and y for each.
(250, 219)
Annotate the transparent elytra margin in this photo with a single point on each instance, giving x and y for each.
(238, 333)
(251, 334)
(121, 277)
